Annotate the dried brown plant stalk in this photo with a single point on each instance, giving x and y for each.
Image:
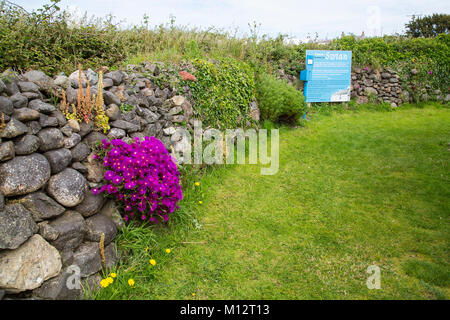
(102, 248)
(2, 123)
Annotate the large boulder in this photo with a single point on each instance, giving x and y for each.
(16, 226)
(71, 229)
(27, 267)
(68, 187)
(41, 206)
(24, 174)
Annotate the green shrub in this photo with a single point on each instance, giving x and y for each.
(223, 92)
(278, 101)
(48, 40)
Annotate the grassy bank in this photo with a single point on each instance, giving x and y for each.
(353, 190)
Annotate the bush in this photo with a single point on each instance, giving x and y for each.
(143, 177)
(223, 92)
(278, 101)
(47, 39)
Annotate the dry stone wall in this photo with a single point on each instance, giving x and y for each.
(370, 85)
(50, 222)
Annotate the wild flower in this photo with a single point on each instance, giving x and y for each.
(143, 177)
(131, 282)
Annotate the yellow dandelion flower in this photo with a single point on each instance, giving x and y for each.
(152, 262)
(104, 283)
(110, 280)
(200, 202)
(112, 275)
(197, 184)
(168, 250)
(130, 282)
(193, 294)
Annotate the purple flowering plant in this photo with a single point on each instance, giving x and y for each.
(142, 176)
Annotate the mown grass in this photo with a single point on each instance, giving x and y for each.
(353, 189)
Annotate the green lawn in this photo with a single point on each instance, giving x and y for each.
(353, 189)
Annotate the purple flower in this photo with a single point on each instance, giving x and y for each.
(143, 176)
(130, 185)
(109, 175)
(95, 191)
(117, 179)
(430, 72)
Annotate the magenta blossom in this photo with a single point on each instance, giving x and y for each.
(143, 176)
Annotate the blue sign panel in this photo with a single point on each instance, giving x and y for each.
(327, 76)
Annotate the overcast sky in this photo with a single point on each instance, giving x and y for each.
(329, 18)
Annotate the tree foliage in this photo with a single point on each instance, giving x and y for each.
(428, 26)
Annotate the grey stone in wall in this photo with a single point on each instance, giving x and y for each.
(68, 187)
(51, 138)
(80, 152)
(27, 144)
(28, 266)
(16, 226)
(59, 159)
(7, 151)
(71, 229)
(98, 225)
(6, 106)
(91, 204)
(41, 106)
(41, 206)
(26, 114)
(13, 128)
(24, 174)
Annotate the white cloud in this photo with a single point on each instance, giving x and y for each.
(296, 18)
